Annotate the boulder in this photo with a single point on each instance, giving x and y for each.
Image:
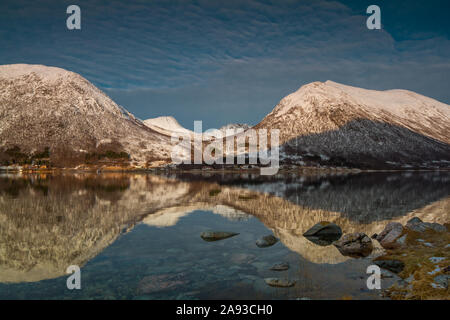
(417, 225)
(354, 245)
(323, 228)
(323, 233)
(401, 241)
(266, 241)
(390, 234)
(280, 283)
(216, 235)
(395, 266)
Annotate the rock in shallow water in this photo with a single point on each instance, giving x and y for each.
(354, 245)
(266, 241)
(324, 228)
(279, 283)
(280, 266)
(323, 233)
(216, 235)
(395, 266)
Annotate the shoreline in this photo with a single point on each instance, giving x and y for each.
(308, 170)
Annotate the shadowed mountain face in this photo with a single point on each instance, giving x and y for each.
(50, 222)
(364, 143)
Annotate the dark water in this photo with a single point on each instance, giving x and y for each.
(138, 236)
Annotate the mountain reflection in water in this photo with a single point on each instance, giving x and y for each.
(48, 222)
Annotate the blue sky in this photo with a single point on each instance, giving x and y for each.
(231, 61)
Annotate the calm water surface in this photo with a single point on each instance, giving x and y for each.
(137, 236)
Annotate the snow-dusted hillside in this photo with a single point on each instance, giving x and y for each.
(46, 107)
(335, 124)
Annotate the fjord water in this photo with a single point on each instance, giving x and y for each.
(137, 236)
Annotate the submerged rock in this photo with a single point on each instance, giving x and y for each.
(280, 283)
(390, 234)
(395, 266)
(354, 245)
(156, 283)
(323, 233)
(266, 241)
(216, 235)
(241, 258)
(280, 266)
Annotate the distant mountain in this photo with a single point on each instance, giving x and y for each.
(168, 125)
(48, 112)
(333, 124)
(235, 126)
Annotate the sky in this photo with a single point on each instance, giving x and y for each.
(231, 61)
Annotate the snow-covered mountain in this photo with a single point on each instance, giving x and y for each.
(45, 107)
(335, 124)
(50, 109)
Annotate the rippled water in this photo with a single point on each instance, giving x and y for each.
(137, 236)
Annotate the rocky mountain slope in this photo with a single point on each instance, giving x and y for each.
(50, 112)
(335, 124)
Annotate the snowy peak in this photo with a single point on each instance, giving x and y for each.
(167, 123)
(14, 71)
(395, 101)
